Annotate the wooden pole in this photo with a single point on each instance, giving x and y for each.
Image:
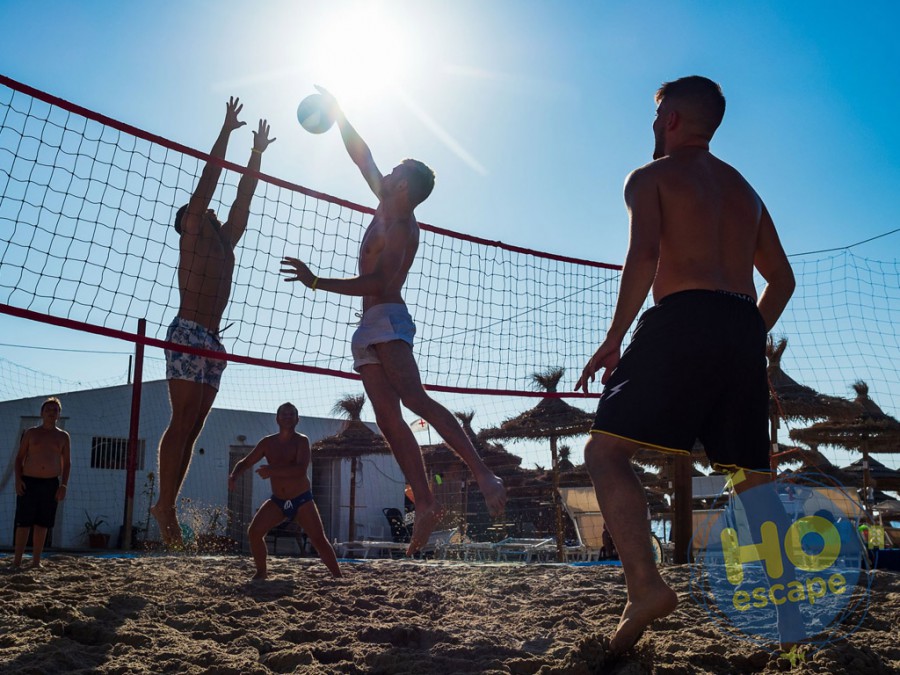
(773, 436)
(867, 479)
(682, 525)
(351, 530)
(557, 508)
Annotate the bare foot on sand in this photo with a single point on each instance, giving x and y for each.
(169, 529)
(260, 576)
(653, 603)
(36, 564)
(426, 520)
(494, 492)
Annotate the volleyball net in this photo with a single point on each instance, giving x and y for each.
(87, 243)
(87, 210)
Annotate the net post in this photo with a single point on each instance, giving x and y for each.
(131, 465)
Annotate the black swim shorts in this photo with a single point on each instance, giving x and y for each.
(695, 369)
(38, 505)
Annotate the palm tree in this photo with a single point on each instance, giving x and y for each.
(565, 463)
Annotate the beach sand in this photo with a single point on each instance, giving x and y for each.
(189, 614)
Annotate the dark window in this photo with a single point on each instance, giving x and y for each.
(112, 453)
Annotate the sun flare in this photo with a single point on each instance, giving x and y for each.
(362, 52)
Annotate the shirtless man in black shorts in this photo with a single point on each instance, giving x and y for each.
(42, 479)
(205, 266)
(382, 346)
(696, 365)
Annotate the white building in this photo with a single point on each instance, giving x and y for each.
(98, 422)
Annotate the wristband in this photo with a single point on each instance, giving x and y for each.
(315, 283)
(65, 486)
(255, 150)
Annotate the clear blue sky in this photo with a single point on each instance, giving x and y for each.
(532, 113)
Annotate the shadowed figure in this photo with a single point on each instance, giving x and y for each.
(382, 346)
(288, 455)
(695, 367)
(42, 480)
(205, 268)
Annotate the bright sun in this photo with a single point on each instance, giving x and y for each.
(361, 52)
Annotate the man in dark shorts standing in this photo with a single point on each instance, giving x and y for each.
(42, 480)
(382, 345)
(696, 365)
(205, 267)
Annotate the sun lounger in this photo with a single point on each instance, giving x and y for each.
(519, 549)
(379, 549)
(581, 505)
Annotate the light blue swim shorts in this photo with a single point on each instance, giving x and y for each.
(381, 323)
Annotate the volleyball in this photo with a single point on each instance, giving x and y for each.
(314, 114)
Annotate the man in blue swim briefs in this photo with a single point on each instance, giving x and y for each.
(288, 456)
(205, 266)
(382, 346)
(696, 365)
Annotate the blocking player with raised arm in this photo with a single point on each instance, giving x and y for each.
(382, 345)
(205, 267)
(287, 454)
(696, 365)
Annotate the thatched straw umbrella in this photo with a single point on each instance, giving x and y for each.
(789, 399)
(551, 419)
(889, 509)
(872, 431)
(441, 459)
(353, 441)
(883, 477)
(815, 465)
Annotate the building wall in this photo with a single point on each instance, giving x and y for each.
(95, 492)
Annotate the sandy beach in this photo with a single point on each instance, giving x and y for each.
(188, 614)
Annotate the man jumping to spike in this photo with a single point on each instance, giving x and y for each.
(382, 345)
(696, 365)
(205, 267)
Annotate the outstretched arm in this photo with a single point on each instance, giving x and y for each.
(399, 244)
(645, 219)
(240, 210)
(255, 455)
(209, 178)
(772, 263)
(356, 147)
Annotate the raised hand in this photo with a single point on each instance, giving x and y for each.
(232, 110)
(261, 138)
(299, 270)
(333, 107)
